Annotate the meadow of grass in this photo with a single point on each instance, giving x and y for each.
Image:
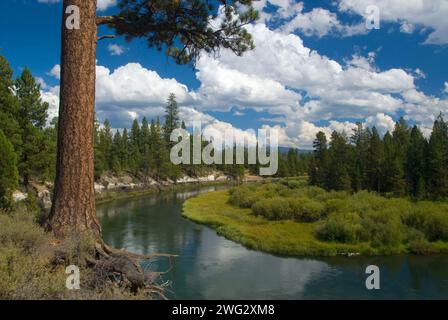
(287, 217)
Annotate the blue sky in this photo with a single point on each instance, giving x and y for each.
(315, 67)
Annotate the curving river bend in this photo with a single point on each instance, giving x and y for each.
(211, 267)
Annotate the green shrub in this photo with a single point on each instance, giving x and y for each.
(333, 195)
(341, 227)
(418, 244)
(364, 201)
(19, 230)
(314, 192)
(431, 219)
(383, 228)
(293, 184)
(272, 209)
(306, 210)
(336, 205)
(242, 198)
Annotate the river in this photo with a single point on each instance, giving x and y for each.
(211, 267)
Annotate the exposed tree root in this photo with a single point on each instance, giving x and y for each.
(124, 268)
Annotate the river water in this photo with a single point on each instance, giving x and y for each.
(211, 267)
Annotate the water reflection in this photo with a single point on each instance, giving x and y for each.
(212, 267)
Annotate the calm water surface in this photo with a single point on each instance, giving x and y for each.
(211, 267)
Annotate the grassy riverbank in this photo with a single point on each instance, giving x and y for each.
(297, 238)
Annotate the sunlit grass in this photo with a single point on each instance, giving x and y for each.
(284, 237)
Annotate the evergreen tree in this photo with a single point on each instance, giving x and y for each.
(338, 174)
(116, 152)
(105, 146)
(171, 119)
(35, 157)
(416, 164)
(393, 168)
(158, 145)
(360, 140)
(8, 171)
(124, 150)
(397, 158)
(144, 145)
(375, 160)
(8, 105)
(438, 160)
(320, 165)
(134, 146)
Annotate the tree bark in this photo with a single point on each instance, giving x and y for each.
(73, 209)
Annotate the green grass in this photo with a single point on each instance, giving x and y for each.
(283, 237)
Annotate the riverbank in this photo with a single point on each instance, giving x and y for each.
(284, 237)
(109, 196)
(112, 187)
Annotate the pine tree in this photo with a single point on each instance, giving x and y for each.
(438, 160)
(360, 140)
(161, 156)
(8, 171)
(171, 119)
(375, 160)
(105, 146)
(31, 116)
(144, 145)
(116, 152)
(397, 158)
(124, 155)
(134, 146)
(338, 177)
(320, 164)
(8, 105)
(393, 168)
(416, 164)
(184, 28)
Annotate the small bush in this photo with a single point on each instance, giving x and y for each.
(19, 230)
(272, 209)
(242, 198)
(314, 192)
(429, 219)
(383, 228)
(345, 228)
(306, 210)
(418, 244)
(336, 205)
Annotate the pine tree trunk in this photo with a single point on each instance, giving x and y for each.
(74, 195)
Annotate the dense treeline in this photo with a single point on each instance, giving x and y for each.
(27, 145)
(402, 163)
(28, 142)
(145, 148)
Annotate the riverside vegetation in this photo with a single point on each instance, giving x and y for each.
(365, 194)
(288, 217)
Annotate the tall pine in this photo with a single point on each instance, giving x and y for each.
(438, 160)
(35, 157)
